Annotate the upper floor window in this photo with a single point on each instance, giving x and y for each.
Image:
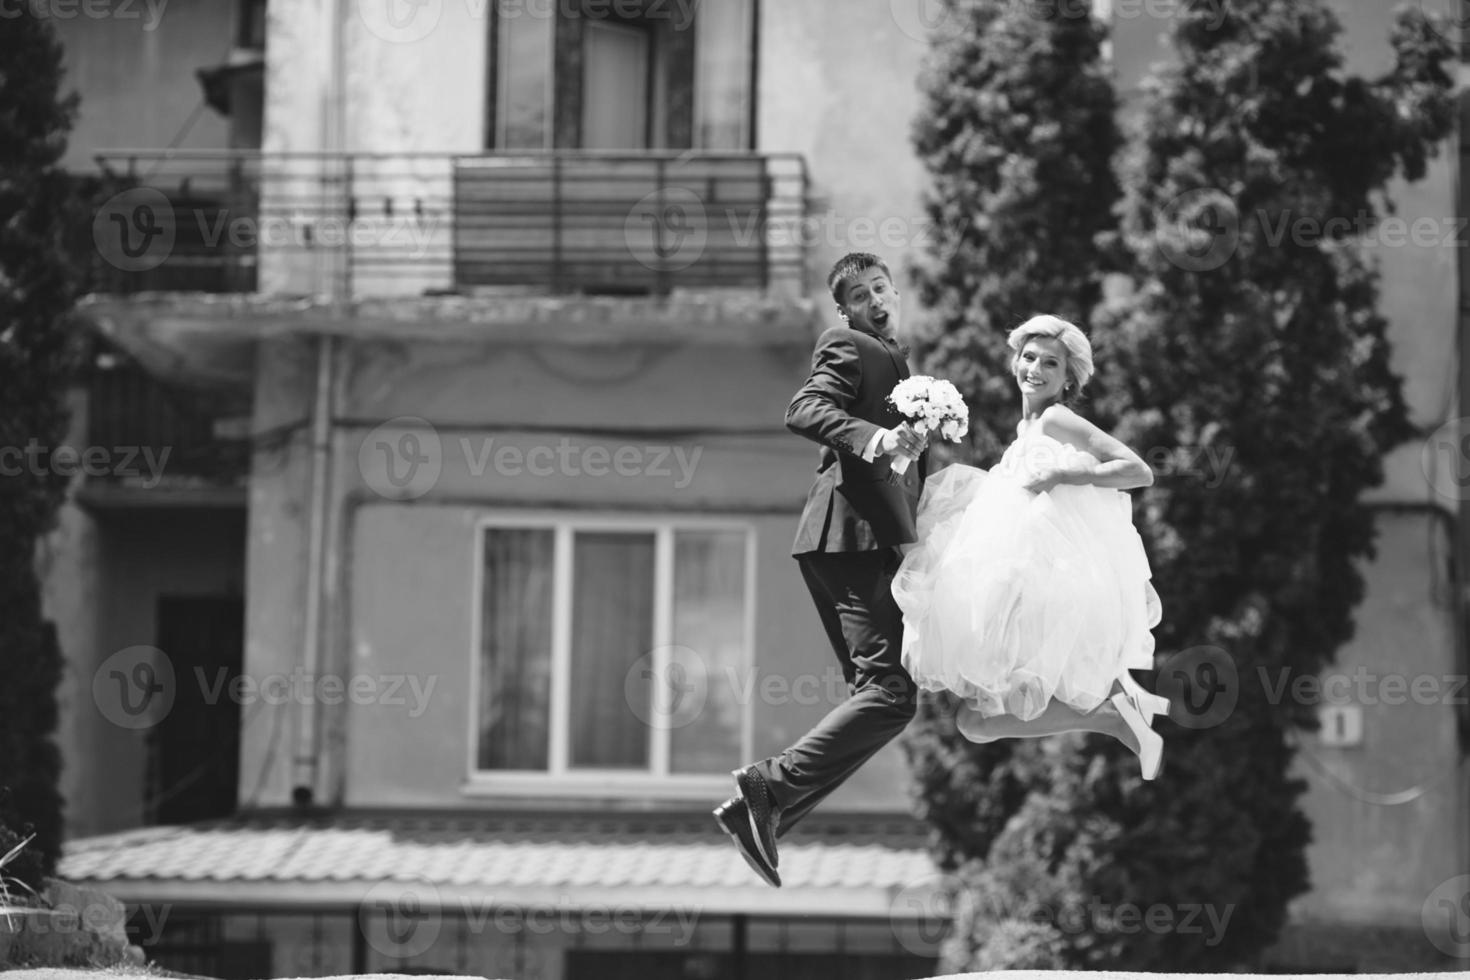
(251, 33)
(642, 74)
(612, 647)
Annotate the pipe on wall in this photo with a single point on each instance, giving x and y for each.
(306, 762)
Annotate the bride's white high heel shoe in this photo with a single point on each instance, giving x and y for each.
(1146, 703)
(1150, 742)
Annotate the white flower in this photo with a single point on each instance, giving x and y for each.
(932, 405)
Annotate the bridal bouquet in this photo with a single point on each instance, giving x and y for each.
(930, 406)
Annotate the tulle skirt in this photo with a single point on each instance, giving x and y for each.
(1013, 598)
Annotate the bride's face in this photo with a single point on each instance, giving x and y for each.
(1041, 369)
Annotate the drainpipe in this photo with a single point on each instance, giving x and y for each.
(307, 761)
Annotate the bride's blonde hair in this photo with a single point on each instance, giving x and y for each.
(1079, 349)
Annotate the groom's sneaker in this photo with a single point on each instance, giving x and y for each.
(764, 814)
(735, 821)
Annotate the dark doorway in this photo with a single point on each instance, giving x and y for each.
(194, 752)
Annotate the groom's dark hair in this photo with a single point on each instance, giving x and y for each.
(849, 267)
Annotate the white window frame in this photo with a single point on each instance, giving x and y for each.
(560, 779)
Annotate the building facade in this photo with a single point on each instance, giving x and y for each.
(439, 571)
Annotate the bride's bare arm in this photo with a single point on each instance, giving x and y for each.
(1117, 466)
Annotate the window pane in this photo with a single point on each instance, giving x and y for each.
(709, 620)
(515, 650)
(523, 82)
(615, 70)
(723, 48)
(612, 628)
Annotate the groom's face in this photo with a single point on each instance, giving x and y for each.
(871, 303)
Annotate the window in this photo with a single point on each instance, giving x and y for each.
(612, 648)
(618, 110)
(724, 58)
(522, 72)
(641, 74)
(251, 32)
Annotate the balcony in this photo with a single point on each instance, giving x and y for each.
(359, 226)
(156, 442)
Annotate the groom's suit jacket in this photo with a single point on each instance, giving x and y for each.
(851, 505)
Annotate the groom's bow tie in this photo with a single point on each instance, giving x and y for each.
(893, 342)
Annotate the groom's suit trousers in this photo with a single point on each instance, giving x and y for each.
(853, 595)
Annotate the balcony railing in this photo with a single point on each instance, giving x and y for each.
(162, 435)
(360, 225)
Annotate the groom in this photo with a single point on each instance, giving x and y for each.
(847, 549)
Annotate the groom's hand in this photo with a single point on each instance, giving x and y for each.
(903, 440)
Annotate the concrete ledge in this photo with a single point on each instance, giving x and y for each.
(717, 318)
(208, 339)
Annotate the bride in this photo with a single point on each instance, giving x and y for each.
(1028, 593)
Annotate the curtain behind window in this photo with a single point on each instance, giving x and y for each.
(523, 83)
(612, 628)
(515, 650)
(709, 619)
(723, 57)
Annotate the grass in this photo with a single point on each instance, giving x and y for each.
(7, 883)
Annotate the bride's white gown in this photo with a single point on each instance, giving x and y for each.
(1012, 598)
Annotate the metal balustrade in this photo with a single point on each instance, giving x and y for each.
(351, 226)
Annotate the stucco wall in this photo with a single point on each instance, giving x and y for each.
(124, 562)
(1387, 818)
(404, 556)
(842, 90)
